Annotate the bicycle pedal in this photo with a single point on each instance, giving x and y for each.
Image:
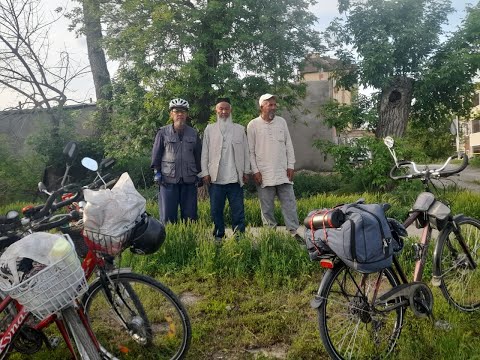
(54, 341)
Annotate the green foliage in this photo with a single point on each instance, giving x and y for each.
(447, 86)
(199, 51)
(391, 38)
(359, 114)
(474, 161)
(18, 175)
(379, 41)
(428, 144)
(363, 164)
(308, 184)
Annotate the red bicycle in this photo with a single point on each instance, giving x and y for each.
(131, 314)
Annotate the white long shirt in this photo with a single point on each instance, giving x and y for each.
(271, 150)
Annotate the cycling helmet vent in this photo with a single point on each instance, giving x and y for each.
(178, 103)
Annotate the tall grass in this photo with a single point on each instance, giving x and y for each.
(271, 258)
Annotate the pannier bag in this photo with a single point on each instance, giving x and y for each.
(363, 242)
(438, 214)
(437, 211)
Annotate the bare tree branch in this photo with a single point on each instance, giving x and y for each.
(26, 66)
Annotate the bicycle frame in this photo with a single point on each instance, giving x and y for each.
(422, 251)
(89, 264)
(8, 336)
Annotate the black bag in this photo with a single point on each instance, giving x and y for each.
(363, 242)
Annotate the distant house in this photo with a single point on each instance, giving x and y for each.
(305, 128)
(472, 129)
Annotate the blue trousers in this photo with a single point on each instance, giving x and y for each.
(173, 195)
(218, 195)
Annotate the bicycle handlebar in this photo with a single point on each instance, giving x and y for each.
(426, 173)
(49, 204)
(52, 223)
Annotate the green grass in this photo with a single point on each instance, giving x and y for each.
(252, 296)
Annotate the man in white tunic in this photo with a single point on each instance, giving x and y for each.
(225, 168)
(272, 161)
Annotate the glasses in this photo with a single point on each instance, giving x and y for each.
(179, 111)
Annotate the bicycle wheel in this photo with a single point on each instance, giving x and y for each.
(143, 318)
(84, 343)
(460, 284)
(350, 327)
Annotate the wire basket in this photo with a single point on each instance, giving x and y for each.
(76, 234)
(52, 288)
(107, 244)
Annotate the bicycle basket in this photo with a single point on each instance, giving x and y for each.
(52, 288)
(107, 244)
(75, 233)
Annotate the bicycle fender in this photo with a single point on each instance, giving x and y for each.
(316, 302)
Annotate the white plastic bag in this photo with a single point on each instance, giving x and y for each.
(44, 248)
(113, 212)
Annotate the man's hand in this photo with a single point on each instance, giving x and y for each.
(257, 177)
(245, 178)
(290, 173)
(207, 180)
(157, 178)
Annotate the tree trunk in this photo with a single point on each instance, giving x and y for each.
(394, 108)
(96, 56)
(212, 53)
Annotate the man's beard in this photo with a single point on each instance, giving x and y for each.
(227, 119)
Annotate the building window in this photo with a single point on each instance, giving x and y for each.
(476, 99)
(476, 149)
(476, 126)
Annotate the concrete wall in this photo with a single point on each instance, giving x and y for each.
(18, 125)
(305, 128)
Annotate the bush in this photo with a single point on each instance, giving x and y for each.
(363, 164)
(18, 176)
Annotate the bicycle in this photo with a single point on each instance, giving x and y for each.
(50, 295)
(129, 312)
(361, 315)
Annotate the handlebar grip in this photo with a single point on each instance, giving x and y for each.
(48, 205)
(462, 167)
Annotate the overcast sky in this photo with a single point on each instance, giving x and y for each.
(83, 89)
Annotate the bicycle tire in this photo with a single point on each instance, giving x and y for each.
(145, 314)
(459, 284)
(349, 326)
(83, 342)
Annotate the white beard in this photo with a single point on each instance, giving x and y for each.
(224, 122)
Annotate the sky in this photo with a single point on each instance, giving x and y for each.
(82, 90)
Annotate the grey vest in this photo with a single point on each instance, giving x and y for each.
(178, 160)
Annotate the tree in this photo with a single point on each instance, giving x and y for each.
(207, 48)
(26, 66)
(41, 79)
(387, 45)
(448, 84)
(87, 20)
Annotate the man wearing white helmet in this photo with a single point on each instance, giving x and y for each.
(176, 157)
(272, 160)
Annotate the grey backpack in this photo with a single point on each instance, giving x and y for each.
(363, 242)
